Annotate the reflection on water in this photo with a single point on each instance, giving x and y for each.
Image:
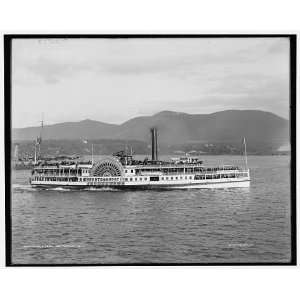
(175, 226)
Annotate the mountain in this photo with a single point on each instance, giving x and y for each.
(86, 129)
(174, 128)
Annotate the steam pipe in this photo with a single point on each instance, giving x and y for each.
(154, 144)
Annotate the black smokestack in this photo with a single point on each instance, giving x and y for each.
(154, 144)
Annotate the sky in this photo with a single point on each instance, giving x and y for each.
(113, 80)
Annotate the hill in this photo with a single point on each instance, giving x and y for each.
(174, 128)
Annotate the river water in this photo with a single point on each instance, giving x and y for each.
(175, 226)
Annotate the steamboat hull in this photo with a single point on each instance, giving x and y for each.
(203, 185)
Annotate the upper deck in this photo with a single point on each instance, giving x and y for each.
(114, 168)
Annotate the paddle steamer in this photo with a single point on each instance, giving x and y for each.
(122, 171)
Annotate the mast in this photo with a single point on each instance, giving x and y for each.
(35, 145)
(42, 125)
(38, 142)
(92, 153)
(16, 154)
(245, 153)
(39, 139)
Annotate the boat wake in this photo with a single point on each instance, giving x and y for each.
(29, 188)
(58, 189)
(102, 189)
(22, 188)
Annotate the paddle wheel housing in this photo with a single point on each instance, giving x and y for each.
(107, 167)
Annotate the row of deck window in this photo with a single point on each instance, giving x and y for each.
(162, 178)
(197, 177)
(59, 172)
(176, 178)
(181, 170)
(218, 176)
(136, 179)
(103, 179)
(72, 179)
(112, 179)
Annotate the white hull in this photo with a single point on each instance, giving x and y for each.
(217, 185)
(184, 184)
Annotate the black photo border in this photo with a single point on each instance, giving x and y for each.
(8, 128)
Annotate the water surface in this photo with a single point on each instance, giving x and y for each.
(176, 226)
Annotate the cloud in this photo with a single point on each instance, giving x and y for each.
(120, 78)
(52, 71)
(57, 63)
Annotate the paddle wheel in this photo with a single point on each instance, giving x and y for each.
(107, 167)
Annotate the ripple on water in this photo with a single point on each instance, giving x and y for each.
(179, 226)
